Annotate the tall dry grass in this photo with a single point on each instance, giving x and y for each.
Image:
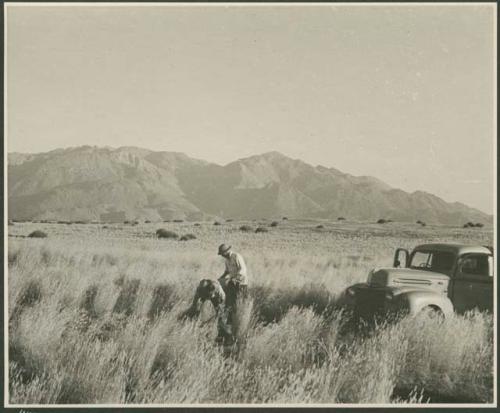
(95, 320)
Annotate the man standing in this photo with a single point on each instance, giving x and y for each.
(234, 279)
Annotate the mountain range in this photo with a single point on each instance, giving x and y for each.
(102, 183)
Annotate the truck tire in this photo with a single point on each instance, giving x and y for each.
(431, 312)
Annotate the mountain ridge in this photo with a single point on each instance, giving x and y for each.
(89, 183)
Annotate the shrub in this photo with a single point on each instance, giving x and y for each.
(126, 301)
(187, 237)
(87, 301)
(472, 225)
(229, 220)
(29, 294)
(217, 223)
(164, 233)
(167, 220)
(38, 234)
(285, 218)
(382, 221)
(246, 228)
(261, 229)
(147, 222)
(197, 224)
(340, 219)
(320, 226)
(178, 220)
(274, 224)
(162, 302)
(126, 222)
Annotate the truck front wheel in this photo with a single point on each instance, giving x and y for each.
(431, 312)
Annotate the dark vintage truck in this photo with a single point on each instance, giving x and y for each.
(434, 279)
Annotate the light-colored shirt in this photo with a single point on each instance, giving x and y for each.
(236, 268)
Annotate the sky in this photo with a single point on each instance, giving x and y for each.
(402, 93)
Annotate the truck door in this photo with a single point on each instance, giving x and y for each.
(473, 283)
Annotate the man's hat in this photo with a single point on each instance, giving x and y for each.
(223, 248)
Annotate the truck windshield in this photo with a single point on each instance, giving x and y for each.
(439, 261)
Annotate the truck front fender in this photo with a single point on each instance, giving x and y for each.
(418, 300)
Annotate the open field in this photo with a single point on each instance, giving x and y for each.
(93, 318)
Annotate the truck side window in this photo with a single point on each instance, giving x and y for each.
(475, 264)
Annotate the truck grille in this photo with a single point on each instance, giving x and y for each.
(370, 302)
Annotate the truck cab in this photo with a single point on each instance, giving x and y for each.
(437, 278)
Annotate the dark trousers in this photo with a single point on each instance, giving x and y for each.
(233, 292)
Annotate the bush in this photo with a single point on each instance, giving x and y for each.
(163, 300)
(261, 229)
(147, 222)
(382, 221)
(229, 220)
(187, 237)
(197, 224)
(472, 225)
(178, 220)
(38, 234)
(285, 219)
(164, 233)
(340, 219)
(217, 223)
(246, 228)
(274, 224)
(320, 226)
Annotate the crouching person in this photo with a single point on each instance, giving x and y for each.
(212, 290)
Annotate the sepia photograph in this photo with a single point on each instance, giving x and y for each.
(250, 205)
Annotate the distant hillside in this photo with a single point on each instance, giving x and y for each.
(90, 183)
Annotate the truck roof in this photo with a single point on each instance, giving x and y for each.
(456, 248)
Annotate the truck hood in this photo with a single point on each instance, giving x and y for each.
(407, 277)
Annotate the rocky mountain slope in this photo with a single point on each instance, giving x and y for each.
(91, 183)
